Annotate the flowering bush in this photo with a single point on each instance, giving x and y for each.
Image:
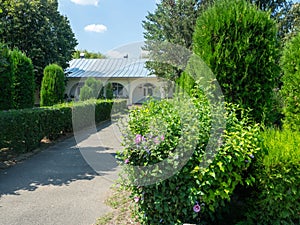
(191, 192)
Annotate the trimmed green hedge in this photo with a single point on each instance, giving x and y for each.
(22, 130)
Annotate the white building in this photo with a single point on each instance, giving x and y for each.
(129, 78)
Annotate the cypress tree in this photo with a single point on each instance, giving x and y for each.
(239, 43)
(290, 91)
(23, 80)
(6, 74)
(53, 85)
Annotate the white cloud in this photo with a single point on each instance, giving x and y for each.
(86, 2)
(99, 28)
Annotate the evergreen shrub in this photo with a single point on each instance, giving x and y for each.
(109, 94)
(290, 91)
(91, 89)
(275, 198)
(23, 80)
(53, 85)
(6, 74)
(239, 43)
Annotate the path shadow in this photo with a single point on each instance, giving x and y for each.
(58, 165)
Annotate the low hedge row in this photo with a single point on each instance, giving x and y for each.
(23, 130)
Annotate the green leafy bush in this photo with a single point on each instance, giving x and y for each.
(91, 89)
(6, 74)
(23, 80)
(238, 42)
(109, 94)
(290, 91)
(53, 85)
(195, 193)
(22, 130)
(275, 200)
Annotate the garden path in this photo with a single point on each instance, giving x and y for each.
(58, 186)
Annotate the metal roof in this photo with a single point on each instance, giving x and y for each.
(108, 68)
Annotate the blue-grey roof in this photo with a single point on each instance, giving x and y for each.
(108, 68)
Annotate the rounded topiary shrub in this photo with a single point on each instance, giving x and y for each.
(53, 85)
(238, 42)
(91, 89)
(6, 74)
(23, 80)
(290, 91)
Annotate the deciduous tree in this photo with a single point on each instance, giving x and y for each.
(173, 21)
(36, 28)
(88, 55)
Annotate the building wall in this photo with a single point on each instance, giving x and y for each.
(135, 87)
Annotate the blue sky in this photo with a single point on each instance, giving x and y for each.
(103, 25)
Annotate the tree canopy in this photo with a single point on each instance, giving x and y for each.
(282, 11)
(173, 21)
(88, 55)
(37, 28)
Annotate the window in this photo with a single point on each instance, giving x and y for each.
(148, 89)
(118, 90)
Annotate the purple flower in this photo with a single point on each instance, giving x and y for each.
(156, 140)
(136, 199)
(197, 208)
(126, 161)
(162, 137)
(138, 139)
(251, 156)
(246, 161)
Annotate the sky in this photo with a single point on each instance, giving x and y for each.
(106, 26)
(111, 27)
